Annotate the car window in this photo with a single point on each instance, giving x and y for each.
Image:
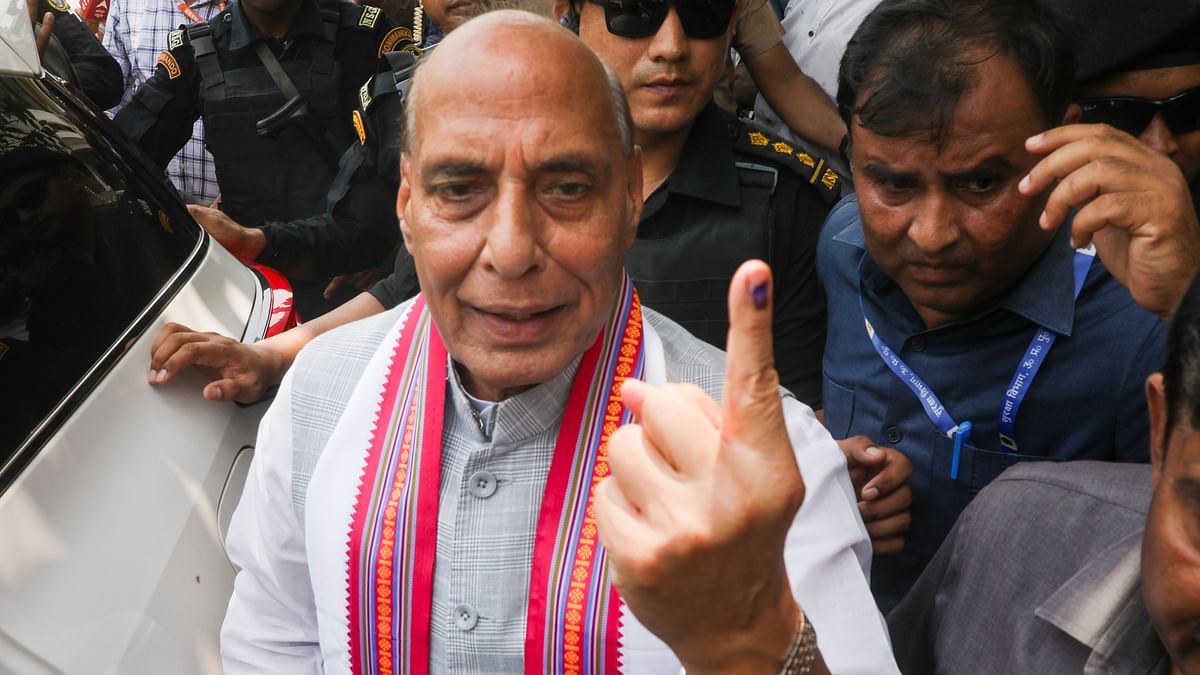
(86, 244)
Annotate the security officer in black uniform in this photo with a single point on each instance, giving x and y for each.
(276, 81)
(359, 222)
(70, 51)
(731, 192)
(358, 226)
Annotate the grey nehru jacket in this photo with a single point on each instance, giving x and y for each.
(491, 488)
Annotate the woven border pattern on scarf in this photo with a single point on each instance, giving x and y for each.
(390, 575)
(574, 612)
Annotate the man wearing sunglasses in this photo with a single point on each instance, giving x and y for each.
(718, 191)
(520, 190)
(1151, 89)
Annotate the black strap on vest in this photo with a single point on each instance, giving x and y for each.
(211, 77)
(295, 111)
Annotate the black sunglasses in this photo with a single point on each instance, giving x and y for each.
(1181, 112)
(701, 19)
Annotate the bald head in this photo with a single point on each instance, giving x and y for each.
(516, 54)
(519, 194)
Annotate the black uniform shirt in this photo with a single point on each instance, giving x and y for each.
(160, 115)
(359, 227)
(705, 180)
(95, 70)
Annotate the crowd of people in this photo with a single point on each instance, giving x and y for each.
(610, 366)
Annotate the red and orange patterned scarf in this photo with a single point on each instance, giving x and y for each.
(573, 613)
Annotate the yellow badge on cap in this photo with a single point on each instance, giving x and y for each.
(58, 5)
(393, 38)
(369, 16)
(758, 138)
(359, 127)
(166, 60)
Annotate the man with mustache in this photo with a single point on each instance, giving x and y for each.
(430, 489)
(718, 192)
(963, 335)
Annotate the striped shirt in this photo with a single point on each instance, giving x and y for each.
(136, 33)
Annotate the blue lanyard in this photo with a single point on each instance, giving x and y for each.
(1014, 395)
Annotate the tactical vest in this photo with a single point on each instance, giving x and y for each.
(686, 276)
(285, 176)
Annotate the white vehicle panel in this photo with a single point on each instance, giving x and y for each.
(112, 561)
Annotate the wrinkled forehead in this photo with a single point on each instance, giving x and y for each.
(533, 113)
(511, 146)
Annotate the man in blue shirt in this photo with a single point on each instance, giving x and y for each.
(948, 304)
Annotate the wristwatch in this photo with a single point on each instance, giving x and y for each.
(803, 652)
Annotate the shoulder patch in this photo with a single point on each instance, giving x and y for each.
(369, 16)
(58, 5)
(394, 37)
(811, 169)
(167, 60)
(359, 128)
(175, 39)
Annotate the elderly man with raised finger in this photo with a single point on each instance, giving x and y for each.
(423, 498)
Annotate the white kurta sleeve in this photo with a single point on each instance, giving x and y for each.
(828, 555)
(271, 624)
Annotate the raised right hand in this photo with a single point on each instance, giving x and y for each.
(240, 372)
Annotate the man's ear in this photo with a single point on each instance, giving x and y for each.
(634, 196)
(1072, 115)
(404, 202)
(1156, 401)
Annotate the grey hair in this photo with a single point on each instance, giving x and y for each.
(620, 111)
(621, 114)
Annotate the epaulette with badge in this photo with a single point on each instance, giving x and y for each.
(753, 140)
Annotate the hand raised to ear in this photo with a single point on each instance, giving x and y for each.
(1132, 201)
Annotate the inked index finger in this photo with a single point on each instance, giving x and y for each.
(751, 411)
